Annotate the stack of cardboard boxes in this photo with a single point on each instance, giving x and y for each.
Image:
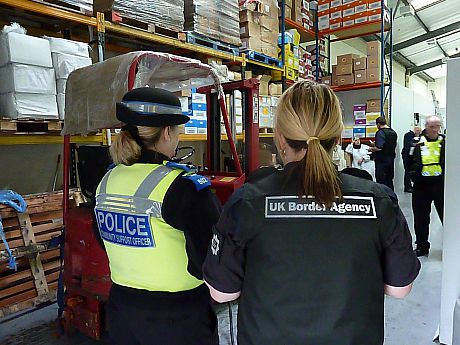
(354, 69)
(364, 117)
(299, 12)
(259, 26)
(194, 105)
(337, 14)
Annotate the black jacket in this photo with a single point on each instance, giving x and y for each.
(408, 139)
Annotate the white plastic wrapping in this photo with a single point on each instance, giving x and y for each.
(28, 105)
(92, 92)
(60, 98)
(217, 19)
(20, 48)
(61, 45)
(85, 5)
(25, 78)
(64, 64)
(168, 14)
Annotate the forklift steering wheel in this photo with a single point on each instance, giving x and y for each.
(189, 154)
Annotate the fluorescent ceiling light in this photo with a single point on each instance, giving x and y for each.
(418, 4)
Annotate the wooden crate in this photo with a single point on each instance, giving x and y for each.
(28, 234)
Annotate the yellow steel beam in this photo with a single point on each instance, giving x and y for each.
(26, 139)
(248, 61)
(50, 11)
(151, 37)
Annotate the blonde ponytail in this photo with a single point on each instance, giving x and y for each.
(309, 117)
(125, 150)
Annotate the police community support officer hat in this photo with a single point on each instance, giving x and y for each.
(151, 107)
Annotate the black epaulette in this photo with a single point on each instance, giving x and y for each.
(261, 173)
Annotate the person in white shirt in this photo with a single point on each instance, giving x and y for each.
(360, 156)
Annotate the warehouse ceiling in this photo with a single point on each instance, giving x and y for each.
(425, 37)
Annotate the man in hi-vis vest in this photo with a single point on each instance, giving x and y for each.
(427, 158)
(155, 218)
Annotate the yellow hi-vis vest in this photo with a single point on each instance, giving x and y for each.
(431, 156)
(144, 251)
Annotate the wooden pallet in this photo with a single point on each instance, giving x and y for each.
(28, 234)
(194, 38)
(114, 17)
(30, 126)
(259, 57)
(65, 5)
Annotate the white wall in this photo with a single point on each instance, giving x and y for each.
(450, 289)
(406, 102)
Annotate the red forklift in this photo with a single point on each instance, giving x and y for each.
(91, 95)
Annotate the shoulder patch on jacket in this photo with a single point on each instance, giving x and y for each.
(188, 168)
(199, 181)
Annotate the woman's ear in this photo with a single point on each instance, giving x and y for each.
(281, 141)
(166, 133)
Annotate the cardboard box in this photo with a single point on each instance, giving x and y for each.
(370, 131)
(374, 4)
(348, 21)
(359, 107)
(373, 75)
(64, 64)
(29, 50)
(263, 86)
(323, 6)
(359, 63)
(346, 79)
(373, 106)
(335, 80)
(361, 17)
(343, 69)
(198, 98)
(287, 12)
(28, 105)
(323, 24)
(335, 24)
(297, 11)
(334, 70)
(360, 77)
(335, 3)
(371, 117)
(335, 13)
(359, 114)
(199, 114)
(373, 62)
(290, 74)
(191, 127)
(345, 2)
(373, 48)
(275, 89)
(28, 79)
(347, 132)
(346, 59)
(360, 121)
(360, 6)
(61, 45)
(375, 15)
(348, 10)
(359, 131)
(327, 80)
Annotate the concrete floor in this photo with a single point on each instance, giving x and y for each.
(412, 321)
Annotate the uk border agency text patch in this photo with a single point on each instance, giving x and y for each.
(295, 207)
(132, 230)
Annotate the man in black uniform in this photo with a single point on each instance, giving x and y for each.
(384, 153)
(427, 160)
(408, 139)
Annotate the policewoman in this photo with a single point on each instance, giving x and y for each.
(427, 160)
(155, 218)
(310, 270)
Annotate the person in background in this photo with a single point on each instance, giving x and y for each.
(310, 251)
(408, 139)
(426, 159)
(155, 218)
(338, 157)
(360, 157)
(384, 153)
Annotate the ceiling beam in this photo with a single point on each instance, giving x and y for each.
(423, 25)
(436, 63)
(429, 35)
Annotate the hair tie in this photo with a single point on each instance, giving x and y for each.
(134, 132)
(311, 139)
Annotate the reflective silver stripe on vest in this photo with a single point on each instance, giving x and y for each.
(139, 203)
